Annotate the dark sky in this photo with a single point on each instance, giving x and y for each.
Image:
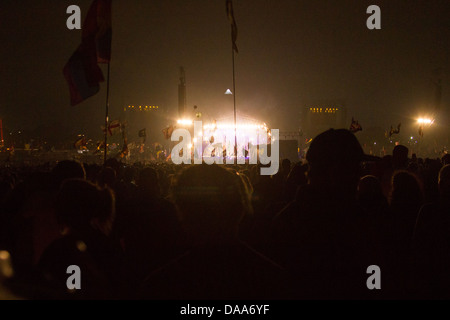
(290, 52)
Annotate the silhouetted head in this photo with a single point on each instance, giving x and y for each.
(296, 178)
(370, 191)
(82, 205)
(106, 177)
(211, 202)
(334, 159)
(68, 169)
(148, 182)
(128, 174)
(113, 163)
(406, 189)
(286, 166)
(400, 157)
(445, 159)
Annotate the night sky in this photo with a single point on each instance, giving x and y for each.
(290, 52)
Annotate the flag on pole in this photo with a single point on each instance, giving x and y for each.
(124, 152)
(80, 143)
(83, 75)
(100, 146)
(395, 131)
(234, 31)
(114, 127)
(142, 133)
(104, 31)
(168, 132)
(355, 126)
(82, 72)
(97, 31)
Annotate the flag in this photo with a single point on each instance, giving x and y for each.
(230, 15)
(83, 76)
(355, 126)
(97, 31)
(394, 131)
(82, 72)
(168, 132)
(125, 150)
(100, 146)
(114, 127)
(80, 143)
(104, 31)
(142, 133)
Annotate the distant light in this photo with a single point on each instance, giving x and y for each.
(195, 140)
(425, 121)
(190, 145)
(228, 91)
(374, 143)
(185, 122)
(412, 138)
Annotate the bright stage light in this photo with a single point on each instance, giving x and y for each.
(247, 131)
(425, 121)
(185, 122)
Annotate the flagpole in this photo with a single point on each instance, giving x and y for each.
(234, 99)
(106, 114)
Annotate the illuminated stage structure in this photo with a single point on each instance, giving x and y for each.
(221, 132)
(253, 137)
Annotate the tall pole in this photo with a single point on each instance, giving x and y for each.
(1, 129)
(106, 115)
(234, 100)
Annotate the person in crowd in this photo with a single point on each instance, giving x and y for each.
(150, 230)
(210, 201)
(445, 159)
(429, 277)
(85, 213)
(405, 202)
(321, 236)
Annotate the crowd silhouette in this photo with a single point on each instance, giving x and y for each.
(225, 232)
